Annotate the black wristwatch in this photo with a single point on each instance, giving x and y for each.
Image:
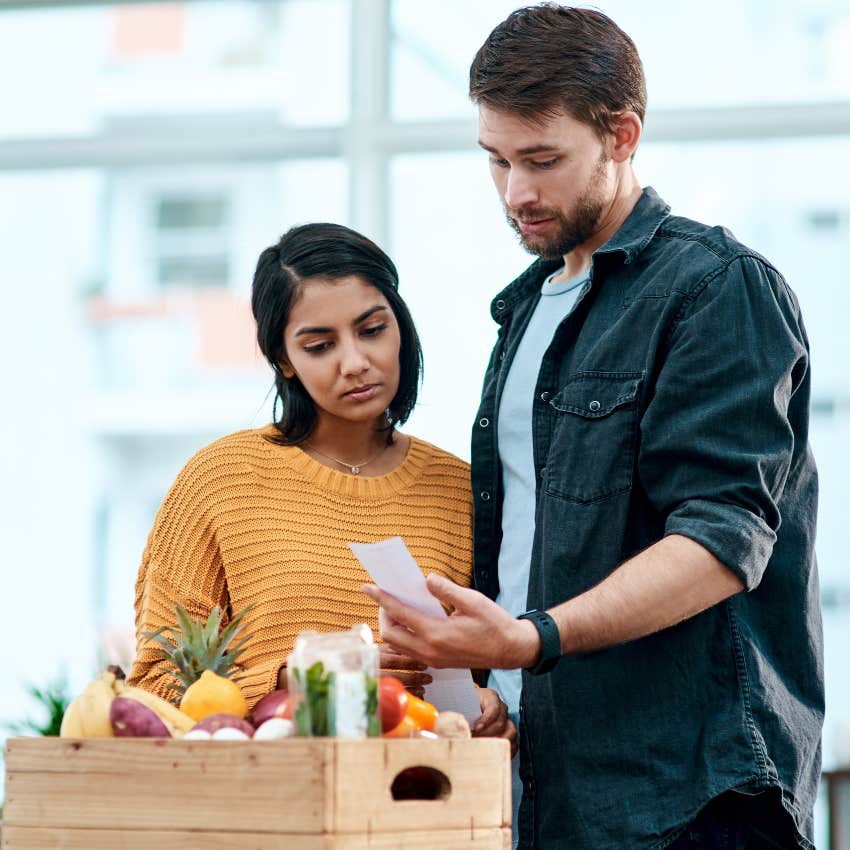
(550, 640)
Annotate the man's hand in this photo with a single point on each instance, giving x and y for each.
(494, 721)
(477, 634)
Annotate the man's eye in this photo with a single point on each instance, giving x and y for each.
(546, 164)
(499, 163)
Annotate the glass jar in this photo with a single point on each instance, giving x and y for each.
(333, 682)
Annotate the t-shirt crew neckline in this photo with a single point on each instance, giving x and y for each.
(364, 487)
(549, 288)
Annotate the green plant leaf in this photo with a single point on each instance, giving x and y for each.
(53, 699)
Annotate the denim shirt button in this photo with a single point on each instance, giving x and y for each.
(594, 405)
(484, 422)
(500, 305)
(544, 396)
(485, 496)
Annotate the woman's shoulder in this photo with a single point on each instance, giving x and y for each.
(249, 442)
(437, 458)
(230, 455)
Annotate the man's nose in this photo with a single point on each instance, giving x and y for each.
(520, 189)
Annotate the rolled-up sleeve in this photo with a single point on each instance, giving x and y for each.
(715, 440)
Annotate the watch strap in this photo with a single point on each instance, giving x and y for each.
(550, 640)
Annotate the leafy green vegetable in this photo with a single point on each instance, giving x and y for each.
(311, 715)
(316, 713)
(373, 718)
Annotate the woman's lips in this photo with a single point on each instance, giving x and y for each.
(363, 393)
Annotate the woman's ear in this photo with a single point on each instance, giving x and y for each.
(286, 370)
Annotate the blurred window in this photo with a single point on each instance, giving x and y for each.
(190, 234)
(182, 213)
(119, 63)
(726, 53)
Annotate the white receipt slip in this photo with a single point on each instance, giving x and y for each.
(391, 566)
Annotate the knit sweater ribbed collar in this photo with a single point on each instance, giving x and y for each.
(359, 487)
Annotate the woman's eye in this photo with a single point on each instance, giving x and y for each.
(318, 348)
(374, 330)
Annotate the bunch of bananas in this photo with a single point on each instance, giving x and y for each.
(88, 715)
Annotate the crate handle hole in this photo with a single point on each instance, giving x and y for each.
(421, 783)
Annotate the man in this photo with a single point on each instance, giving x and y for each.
(642, 475)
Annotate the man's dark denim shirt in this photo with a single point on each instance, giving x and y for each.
(673, 400)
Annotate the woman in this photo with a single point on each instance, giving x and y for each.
(263, 517)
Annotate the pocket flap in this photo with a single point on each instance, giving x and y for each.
(596, 394)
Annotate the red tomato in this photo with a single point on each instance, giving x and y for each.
(392, 702)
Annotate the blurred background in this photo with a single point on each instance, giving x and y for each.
(149, 152)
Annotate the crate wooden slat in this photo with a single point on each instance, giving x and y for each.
(300, 794)
(26, 838)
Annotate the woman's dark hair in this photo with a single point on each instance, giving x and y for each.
(546, 59)
(328, 251)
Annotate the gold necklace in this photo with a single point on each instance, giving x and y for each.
(354, 468)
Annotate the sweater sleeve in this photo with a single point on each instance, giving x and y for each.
(182, 564)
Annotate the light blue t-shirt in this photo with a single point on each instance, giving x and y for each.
(519, 485)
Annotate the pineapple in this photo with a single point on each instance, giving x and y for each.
(193, 647)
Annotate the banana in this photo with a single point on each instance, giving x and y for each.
(177, 722)
(88, 715)
(72, 724)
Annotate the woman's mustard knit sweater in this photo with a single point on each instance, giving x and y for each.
(251, 522)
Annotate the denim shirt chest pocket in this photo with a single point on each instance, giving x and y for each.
(594, 435)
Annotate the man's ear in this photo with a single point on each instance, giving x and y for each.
(627, 132)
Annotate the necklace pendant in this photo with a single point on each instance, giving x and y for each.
(355, 470)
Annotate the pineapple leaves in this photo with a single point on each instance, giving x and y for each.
(213, 624)
(193, 646)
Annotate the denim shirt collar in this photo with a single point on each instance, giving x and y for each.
(633, 236)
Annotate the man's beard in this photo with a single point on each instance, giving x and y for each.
(571, 230)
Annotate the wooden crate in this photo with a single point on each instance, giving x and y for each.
(297, 794)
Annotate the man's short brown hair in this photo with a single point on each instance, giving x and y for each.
(548, 59)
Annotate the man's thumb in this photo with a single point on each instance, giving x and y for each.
(445, 590)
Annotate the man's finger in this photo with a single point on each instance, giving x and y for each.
(394, 610)
(460, 598)
(400, 638)
(489, 714)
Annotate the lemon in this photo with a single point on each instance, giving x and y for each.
(213, 694)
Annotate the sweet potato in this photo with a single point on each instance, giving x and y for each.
(131, 719)
(215, 722)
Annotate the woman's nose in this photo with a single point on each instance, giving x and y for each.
(353, 359)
